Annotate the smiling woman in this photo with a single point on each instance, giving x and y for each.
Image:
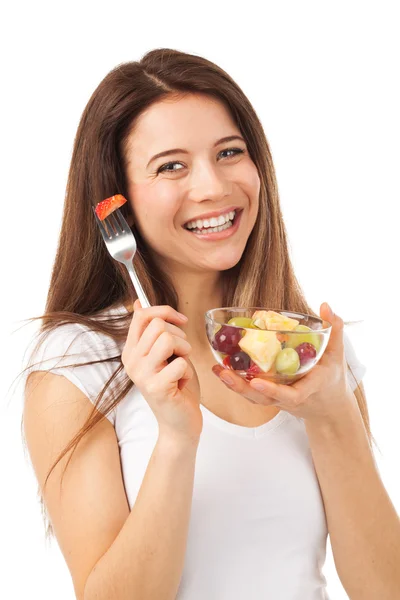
(206, 177)
(169, 490)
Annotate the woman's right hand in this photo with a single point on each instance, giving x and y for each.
(151, 341)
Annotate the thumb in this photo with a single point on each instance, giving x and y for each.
(335, 343)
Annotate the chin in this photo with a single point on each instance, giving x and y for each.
(229, 260)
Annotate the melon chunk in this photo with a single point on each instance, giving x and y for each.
(262, 347)
(273, 321)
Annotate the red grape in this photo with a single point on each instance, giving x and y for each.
(226, 340)
(306, 352)
(240, 361)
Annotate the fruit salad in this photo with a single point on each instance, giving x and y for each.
(107, 206)
(263, 344)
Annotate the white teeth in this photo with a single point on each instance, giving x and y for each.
(213, 229)
(212, 222)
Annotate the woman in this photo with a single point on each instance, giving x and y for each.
(175, 485)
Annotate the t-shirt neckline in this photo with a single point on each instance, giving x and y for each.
(240, 430)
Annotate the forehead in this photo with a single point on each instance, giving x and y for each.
(194, 121)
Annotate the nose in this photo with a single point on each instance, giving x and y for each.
(207, 183)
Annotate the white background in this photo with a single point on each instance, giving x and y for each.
(323, 78)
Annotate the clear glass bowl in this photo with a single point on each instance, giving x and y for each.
(278, 345)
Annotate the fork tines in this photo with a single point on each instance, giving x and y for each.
(113, 225)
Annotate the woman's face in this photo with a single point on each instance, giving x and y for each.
(168, 191)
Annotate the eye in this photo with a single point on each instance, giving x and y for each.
(164, 168)
(235, 150)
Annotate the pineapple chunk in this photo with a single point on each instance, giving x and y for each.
(262, 347)
(271, 320)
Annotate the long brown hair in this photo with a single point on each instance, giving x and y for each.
(264, 275)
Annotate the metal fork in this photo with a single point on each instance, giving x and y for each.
(121, 244)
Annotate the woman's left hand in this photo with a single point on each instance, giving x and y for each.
(321, 395)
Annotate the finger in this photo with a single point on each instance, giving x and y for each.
(164, 346)
(241, 386)
(143, 316)
(281, 394)
(145, 367)
(178, 370)
(153, 331)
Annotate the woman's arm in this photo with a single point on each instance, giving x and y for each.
(112, 553)
(145, 562)
(363, 525)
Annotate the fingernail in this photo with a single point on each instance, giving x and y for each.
(183, 317)
(259, 386)
(227, 379)
(216, 369)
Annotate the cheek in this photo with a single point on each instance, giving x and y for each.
(150, 200)
(155, 206)
(164, 196)
(250, 183)
(253, 182)
(248, 179)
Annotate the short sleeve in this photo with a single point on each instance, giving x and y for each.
(357, 367)
(73, 343)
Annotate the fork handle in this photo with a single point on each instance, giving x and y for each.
(141, 295)
(137, 285)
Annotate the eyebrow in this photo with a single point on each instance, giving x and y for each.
(229, 138)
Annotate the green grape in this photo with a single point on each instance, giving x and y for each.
(296, 340)
(287, 361)
(242, 322)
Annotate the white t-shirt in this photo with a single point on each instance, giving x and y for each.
(257, 527)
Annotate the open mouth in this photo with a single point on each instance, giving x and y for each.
(209, 230)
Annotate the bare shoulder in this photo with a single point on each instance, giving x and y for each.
(90, 508)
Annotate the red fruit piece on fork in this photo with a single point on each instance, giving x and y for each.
(107, 206)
